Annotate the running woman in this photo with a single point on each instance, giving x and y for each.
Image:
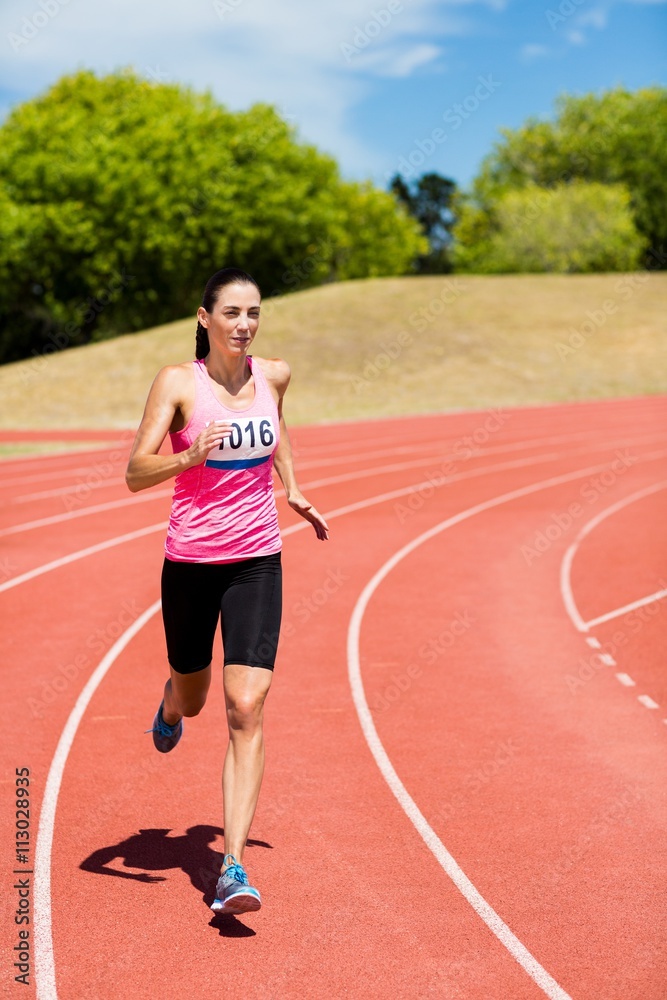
(223, 413)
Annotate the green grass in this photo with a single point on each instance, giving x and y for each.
(356, 350)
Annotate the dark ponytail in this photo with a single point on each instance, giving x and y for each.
(226, 276)
(202, 346)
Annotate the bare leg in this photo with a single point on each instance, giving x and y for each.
(185, 694)
(245, 691)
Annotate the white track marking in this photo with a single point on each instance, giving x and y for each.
(593, 642)
(647, 701)
(40, 477)
(566, 564)
(424, 446)
(44, 959)
(530, 964)
(110, 543)
(626, 680)
(94, 509)
(337, 512)
(45, 974)
(60, 491)
(607, 659)
(449, 458)
(650, 599)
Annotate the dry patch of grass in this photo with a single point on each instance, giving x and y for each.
(388, 346)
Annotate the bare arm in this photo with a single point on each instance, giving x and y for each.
(146, 467)
(284, 465)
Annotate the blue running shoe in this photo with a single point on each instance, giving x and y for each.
(233, 894)
(165, 737)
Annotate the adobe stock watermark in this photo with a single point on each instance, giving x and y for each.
(225, 7)
(364, 34)
(453, 117)
(303, 610)
(590, 491)
(498, 756)
(429, 652)
(625, 288)
(32, 25)
(602, 824)
(98, 476)
(462, 449)
(390, 350)
(565, 9)
(97, 642)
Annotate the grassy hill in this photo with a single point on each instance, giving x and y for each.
(387, 346)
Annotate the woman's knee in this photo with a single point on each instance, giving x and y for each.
(244, 710)
(191, 690)
(192, 707)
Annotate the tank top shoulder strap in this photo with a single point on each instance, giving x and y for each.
(263, 392)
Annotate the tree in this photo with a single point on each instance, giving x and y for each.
(618, 137)
(120, 197)
(430, 202)
(575, 227)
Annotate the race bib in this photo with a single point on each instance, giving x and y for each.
(251, 442)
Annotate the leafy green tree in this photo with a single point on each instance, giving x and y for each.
(430, 202)
(576, 227)
(616, 137)
(119, 198)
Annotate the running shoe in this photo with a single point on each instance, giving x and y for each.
(165, 737)
(233, 894)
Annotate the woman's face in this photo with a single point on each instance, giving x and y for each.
(233, 323)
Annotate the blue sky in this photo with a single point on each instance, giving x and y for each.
(368, 82)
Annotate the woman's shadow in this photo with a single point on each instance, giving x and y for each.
(153, 851)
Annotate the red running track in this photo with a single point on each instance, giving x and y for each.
(466, 734)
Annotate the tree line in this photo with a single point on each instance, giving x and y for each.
(119, 197)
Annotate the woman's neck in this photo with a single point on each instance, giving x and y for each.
(230, 372)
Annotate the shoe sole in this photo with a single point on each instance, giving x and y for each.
(240, 903)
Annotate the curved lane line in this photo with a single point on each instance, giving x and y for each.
(44, 958)
(45, 974)
(483, 909)
(344, 477)
(568, 558)
(429, 484)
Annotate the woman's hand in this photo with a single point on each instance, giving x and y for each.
(214, 432)
(298, 502)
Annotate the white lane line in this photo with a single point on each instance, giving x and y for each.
(45, 969)
(81, 554)
(45, 974)
(343, 477)
(649, 599)
(593, 642)
(607, 659)
(626, 680)
(647, 701)
(566, 564)
(530, 964)
(94, 509)
(337, 512)
(95, 484)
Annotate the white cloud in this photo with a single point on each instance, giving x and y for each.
(576, 37)
(597, 17)
(396, 61)
(245, 51)
(532, 50)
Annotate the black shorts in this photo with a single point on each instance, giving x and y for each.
(248, 593)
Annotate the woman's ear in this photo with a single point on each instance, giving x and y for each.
(202, 317)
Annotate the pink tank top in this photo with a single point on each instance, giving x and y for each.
(224, 510)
